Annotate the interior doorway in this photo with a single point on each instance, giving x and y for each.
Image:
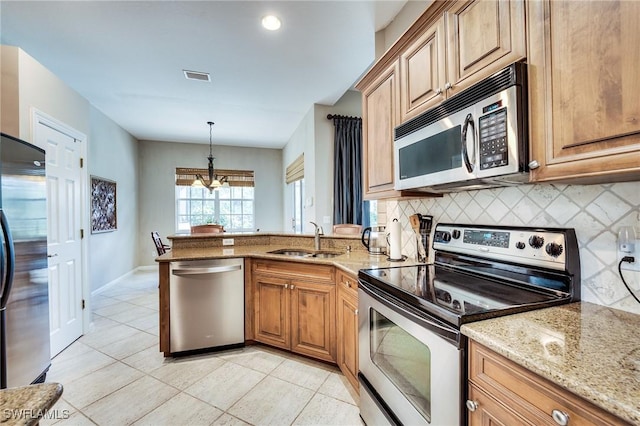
(66, 181)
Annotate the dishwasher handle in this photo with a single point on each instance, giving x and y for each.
(206, 271)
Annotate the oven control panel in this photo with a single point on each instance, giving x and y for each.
(530, 246)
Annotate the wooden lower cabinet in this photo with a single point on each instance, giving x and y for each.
(294, 308)
(313, 330)
(347, 324)
(272, 311)
(502, 392)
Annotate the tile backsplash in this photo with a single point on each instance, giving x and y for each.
(596, 212)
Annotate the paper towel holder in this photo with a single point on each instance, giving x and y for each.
(402, 257)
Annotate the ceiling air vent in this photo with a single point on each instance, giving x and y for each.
(196, 75)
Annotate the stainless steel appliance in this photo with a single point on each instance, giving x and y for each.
(412, 354)
(25, 353)
(207, 304)
(476, 139)
(374, 238)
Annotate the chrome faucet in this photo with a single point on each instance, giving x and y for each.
(318, 232)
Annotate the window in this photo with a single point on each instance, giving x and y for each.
(298, 205)
(371, 210)
(230, 206)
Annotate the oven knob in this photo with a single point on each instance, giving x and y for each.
(536, 241)
(456, 305)
(520, 245)
(456, 234)
(553, 249)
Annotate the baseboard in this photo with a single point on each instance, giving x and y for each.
(122, 277)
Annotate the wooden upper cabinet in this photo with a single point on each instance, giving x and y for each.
(422, 72)
(380, 109)
(483, 36)
(466, 43)
(584, 64)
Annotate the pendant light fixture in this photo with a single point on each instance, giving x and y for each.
(214, 182)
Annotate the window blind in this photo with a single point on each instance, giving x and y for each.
(295, 170)
(186, 176)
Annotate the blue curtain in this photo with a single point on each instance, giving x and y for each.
(348, 206)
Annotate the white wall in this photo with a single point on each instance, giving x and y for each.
(158, 162)
(113, 154)
(301, 141)
(314, 137)
(408, 14)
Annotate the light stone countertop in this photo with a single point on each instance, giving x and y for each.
(350, 262)
(591, 350)
(25, 405)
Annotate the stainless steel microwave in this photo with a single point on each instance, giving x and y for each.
(476, 139)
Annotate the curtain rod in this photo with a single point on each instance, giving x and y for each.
(332, 116)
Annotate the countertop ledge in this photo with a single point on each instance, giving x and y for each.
(26, 405)
(350, 262)
(590, 350)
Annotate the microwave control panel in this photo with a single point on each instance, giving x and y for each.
(493, 139)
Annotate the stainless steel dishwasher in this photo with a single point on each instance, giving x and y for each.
(206, 304)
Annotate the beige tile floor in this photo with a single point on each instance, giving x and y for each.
(115, 375)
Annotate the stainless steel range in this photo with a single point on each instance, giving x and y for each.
(412, 354)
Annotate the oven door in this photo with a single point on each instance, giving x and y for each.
(411, 362)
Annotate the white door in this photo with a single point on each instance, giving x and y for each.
(63, 155)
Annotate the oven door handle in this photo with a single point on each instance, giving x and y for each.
(448, 333)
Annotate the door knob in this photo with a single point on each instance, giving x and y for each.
(471, 405)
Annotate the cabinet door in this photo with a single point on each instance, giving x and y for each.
(348, 334)
(583, 78)
(313, 319)
(484, 36)
(422, 72)
(380, 109)
(272, 316)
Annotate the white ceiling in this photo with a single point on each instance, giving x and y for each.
(127, 57)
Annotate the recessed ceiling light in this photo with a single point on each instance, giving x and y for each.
(271, 22)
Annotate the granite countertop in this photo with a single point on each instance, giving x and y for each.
(350, 262)
(27, 404)
(591, 350)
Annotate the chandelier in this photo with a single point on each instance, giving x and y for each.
(214, 181)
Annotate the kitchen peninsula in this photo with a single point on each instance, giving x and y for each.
(304, 301)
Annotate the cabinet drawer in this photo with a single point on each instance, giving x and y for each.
(347, 283)
(299, 271)
(534, 396)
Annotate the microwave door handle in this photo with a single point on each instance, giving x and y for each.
(468, 122)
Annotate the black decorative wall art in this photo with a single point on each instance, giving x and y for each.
(104, 216)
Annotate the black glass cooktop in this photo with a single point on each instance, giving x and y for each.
(458, 297)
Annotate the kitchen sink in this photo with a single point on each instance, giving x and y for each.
(326, 254)
(293, 252)
(306, 253)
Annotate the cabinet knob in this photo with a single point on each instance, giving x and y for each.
(286, 286)
(355, 312)
(347, 283)
(439, 91)
(533, 164)
(292, 286)
(471, 405)
(448, 86)
(560, 417)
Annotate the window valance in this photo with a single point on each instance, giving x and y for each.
(185, 176)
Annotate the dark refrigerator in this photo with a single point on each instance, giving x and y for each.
(25, 354)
